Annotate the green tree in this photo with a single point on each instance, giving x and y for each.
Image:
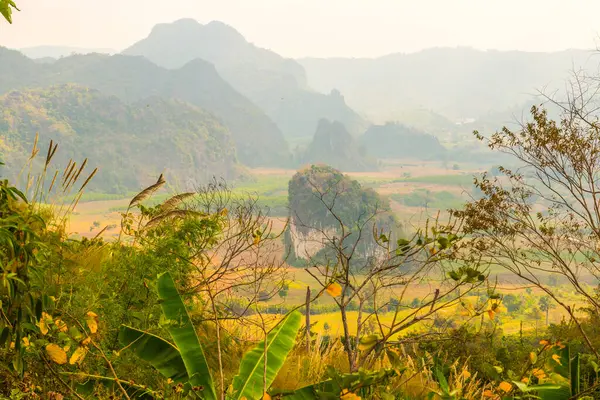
(546, 305)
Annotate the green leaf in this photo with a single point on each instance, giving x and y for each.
(574, 366)
(439, 375)
(6, 7)
(454, 275)
(550, 391)
(161, 354)
(133, 390)
(280, 341)
(184, 335)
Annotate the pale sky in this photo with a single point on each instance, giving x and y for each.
(320, 28)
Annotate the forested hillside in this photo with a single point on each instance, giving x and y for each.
(131, 144)
(258, 140)
(333, 145)
(275, 84)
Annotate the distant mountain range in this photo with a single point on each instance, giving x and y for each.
(276, 84)
(207, 87)
(457, 83)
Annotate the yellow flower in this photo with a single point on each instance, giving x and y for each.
(560, 345)
(505, 386)
(491, 314)
(544, 342)
(26, 342)
(466, 374)
(525, 380)
(488, 393)
(334, 289)
(266, 396)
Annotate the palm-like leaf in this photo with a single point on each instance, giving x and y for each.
(250, 379)
(161, 354)
(184, 335)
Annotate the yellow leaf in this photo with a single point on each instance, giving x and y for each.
(43, 327)
(61, 325)
(505, 386)
(86, 341)
(56, 354)
(334, 289)
(466, 374)
(78, 355)
(533, 357)
(556, 358)
(224, 212)
(91, 320)
(488, 393)
(491, 314)
(347, 395)
(560, 345)
(539, 373)
(43, 323)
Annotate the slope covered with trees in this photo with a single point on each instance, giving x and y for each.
(257, 138)
(130, 144)
(276, 84)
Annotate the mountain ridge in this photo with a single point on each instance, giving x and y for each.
(274, 83)
(131, 78)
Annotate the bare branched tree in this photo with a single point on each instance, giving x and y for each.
(541, 220)
(353, 249)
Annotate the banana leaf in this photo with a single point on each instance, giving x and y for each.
(280, 341)
(182, 331)
(161, 354)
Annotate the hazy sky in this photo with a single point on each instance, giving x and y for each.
(297, 28)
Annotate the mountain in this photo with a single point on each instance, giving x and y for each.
(257, 138)
(458, 83)
(130, 144)
(61, 51)
(276, 84)
(394, 140)
(333, 145)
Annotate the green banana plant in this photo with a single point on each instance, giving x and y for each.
(184, 362)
